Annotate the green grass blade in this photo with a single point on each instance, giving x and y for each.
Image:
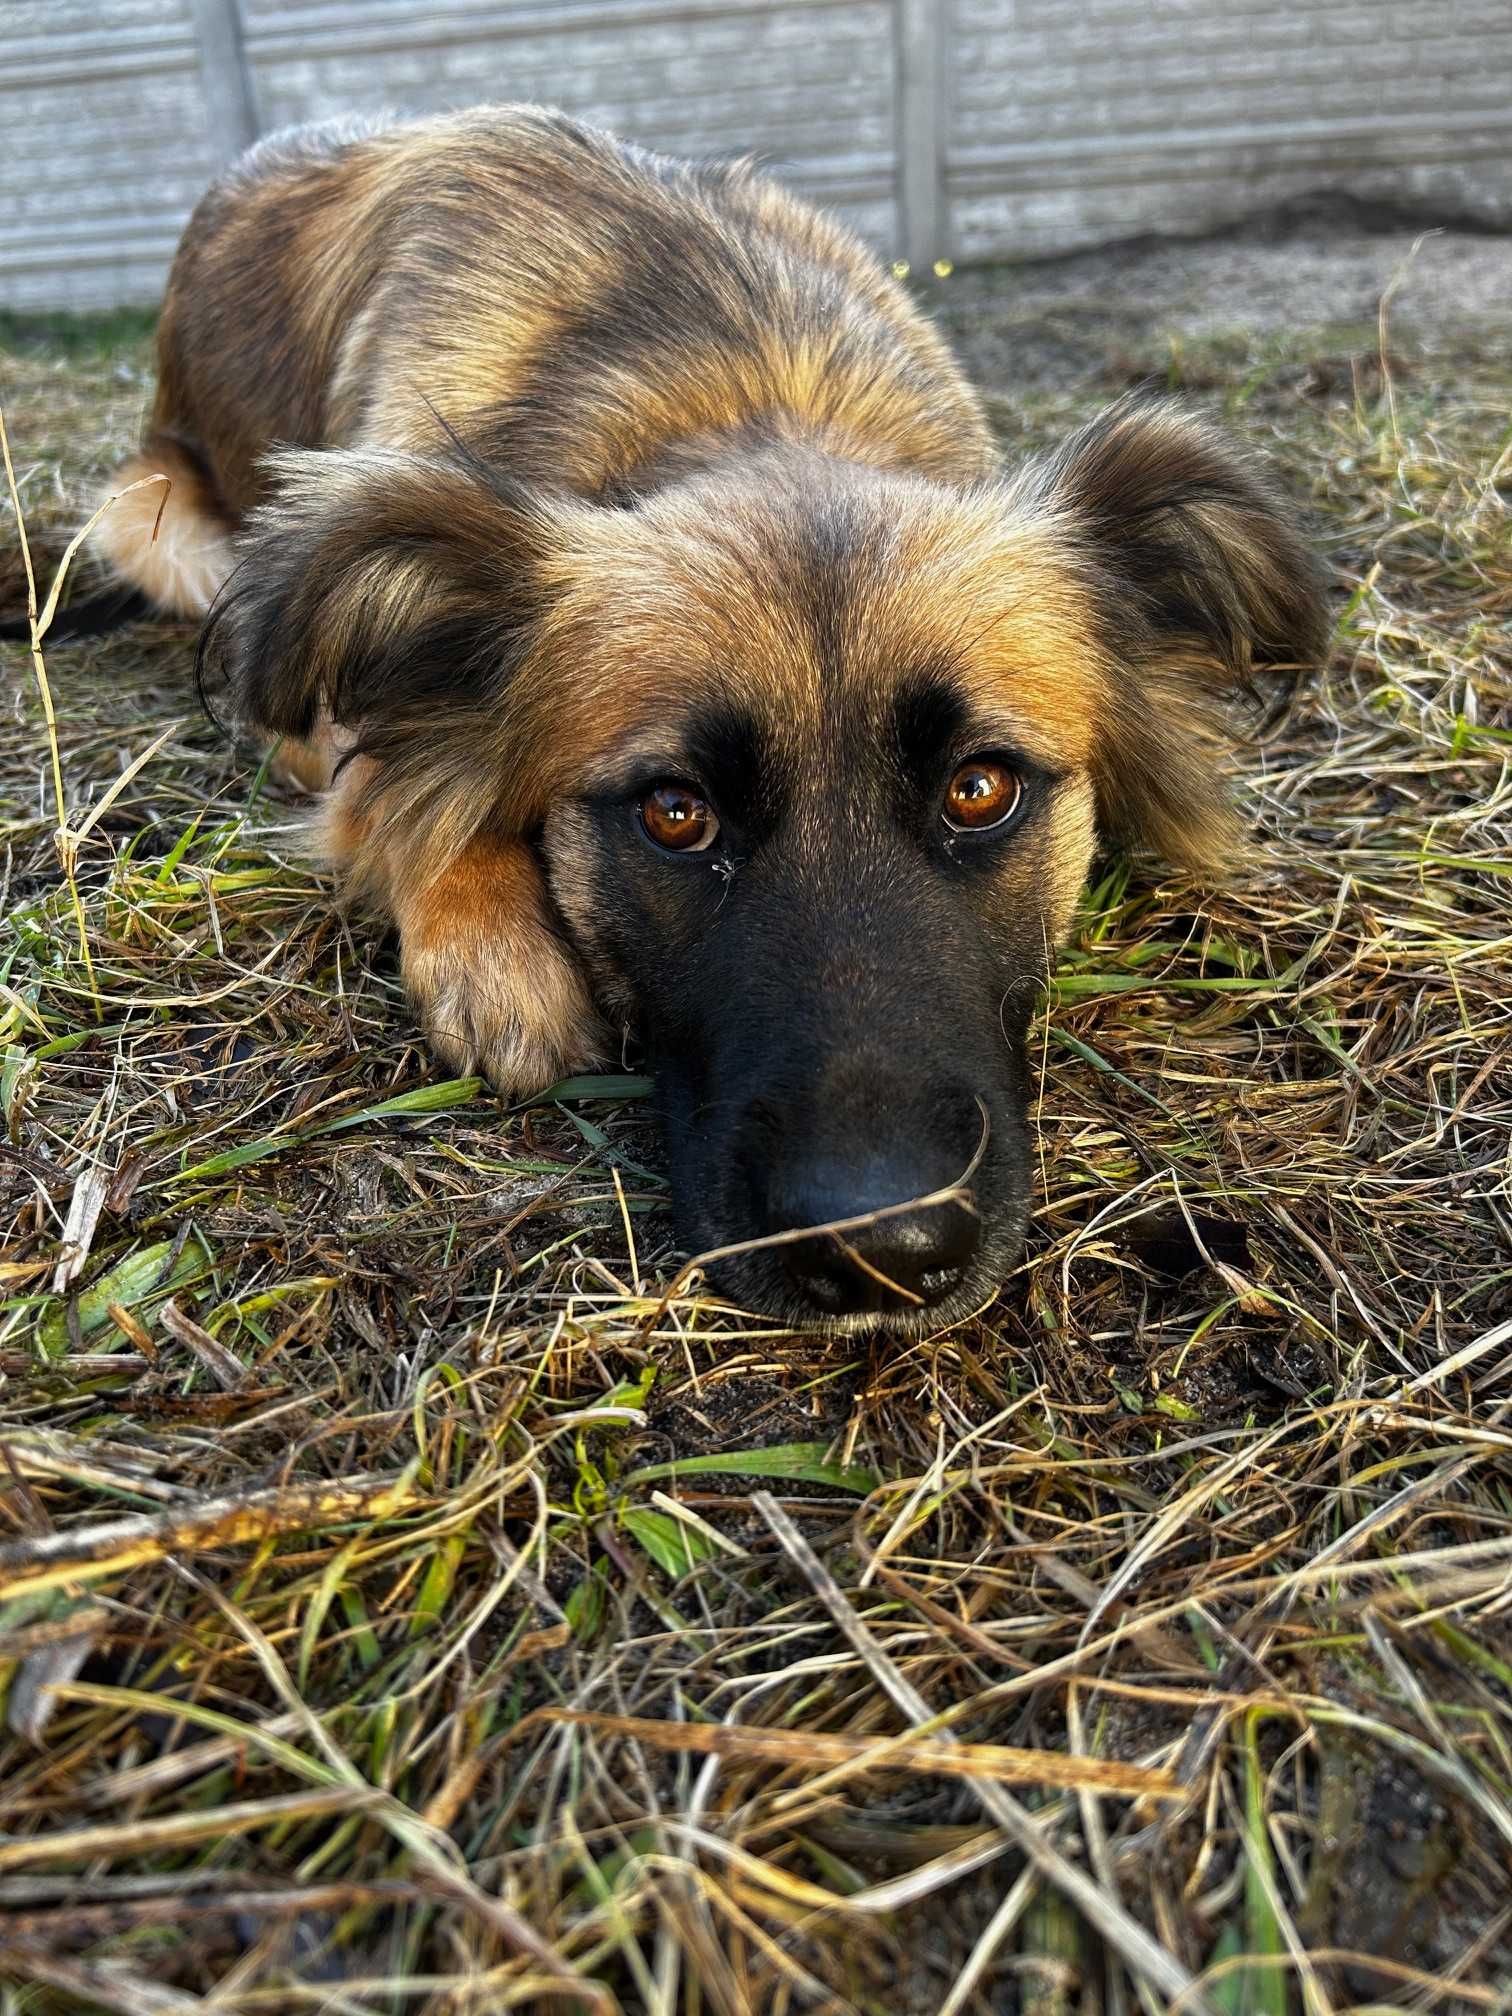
(794, 1462)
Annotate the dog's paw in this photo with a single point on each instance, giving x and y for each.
(521, 1023)
(494, 985)
(309, 763)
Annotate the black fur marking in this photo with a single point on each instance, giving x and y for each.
(930, 721)
(699, 278)
(310, 624)
(728, 755)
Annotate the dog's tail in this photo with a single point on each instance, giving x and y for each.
(111, 609)
(164, 537)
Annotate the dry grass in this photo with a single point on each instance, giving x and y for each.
(403, 1610)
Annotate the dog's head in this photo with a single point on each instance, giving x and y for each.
(817, 758)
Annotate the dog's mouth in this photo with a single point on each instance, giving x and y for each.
(945, 1297)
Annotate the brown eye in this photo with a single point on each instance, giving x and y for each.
(982, 793)
(675, 817)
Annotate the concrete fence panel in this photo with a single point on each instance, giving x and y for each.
(945, 130)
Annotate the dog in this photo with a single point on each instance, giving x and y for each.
(620, 554)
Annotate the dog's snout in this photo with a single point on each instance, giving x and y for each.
(890, 1253)
(904, 1261)
(873, 1195)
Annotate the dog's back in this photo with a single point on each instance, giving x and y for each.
(580, 311)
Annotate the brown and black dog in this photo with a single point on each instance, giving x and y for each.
(626, 561)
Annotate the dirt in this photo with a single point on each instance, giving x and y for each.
(1057, 323)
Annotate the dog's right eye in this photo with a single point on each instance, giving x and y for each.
(674, 817)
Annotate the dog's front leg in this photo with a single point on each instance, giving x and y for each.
(495, 986)
(496, 989)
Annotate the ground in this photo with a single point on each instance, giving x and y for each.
(368, 1460)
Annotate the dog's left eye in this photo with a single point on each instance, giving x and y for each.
(676, 818)
(984, 792)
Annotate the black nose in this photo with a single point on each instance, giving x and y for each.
(892, 1261)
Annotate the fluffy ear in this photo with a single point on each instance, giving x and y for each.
(377, 588)
(1199, 575)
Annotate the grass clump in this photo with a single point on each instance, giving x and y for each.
(404, 1606)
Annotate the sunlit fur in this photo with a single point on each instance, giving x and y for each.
(164, 531)
(547, 460)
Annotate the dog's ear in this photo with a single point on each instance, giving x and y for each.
(1199, 576)
(375, 588)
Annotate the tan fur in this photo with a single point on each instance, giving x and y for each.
(310, 764)
(532, 442)
(652, 604)
(306, 307)
(495, 988)
(167, 537)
